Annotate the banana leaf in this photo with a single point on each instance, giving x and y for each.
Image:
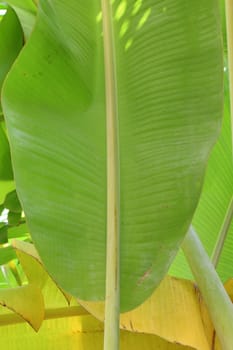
(26, 11)
(11, 41)
(215, 202)
(169, 96)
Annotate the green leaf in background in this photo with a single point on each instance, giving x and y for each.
(3, 8)
(3, 234)
(26, 11)
(12, 202)
(169, 84)
(6, 254)
(13, 218)
(18, 231)
(5, 187)
(6, 172)
(216, 197)
(11, 42)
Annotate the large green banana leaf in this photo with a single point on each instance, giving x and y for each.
(169, 100)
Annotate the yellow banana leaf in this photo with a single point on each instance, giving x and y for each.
(173, 313)
(32, 265)
(174, 318)
(26, 301)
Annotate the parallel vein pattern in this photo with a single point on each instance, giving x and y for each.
(169, 87)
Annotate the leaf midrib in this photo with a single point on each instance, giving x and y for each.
(111, 339)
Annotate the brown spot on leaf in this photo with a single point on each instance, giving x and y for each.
(144, 276)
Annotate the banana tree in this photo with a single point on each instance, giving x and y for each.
(112, 109)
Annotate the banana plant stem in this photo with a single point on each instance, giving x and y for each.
(112, 298)
(217, 301)
(222, 235)
(229, 23)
